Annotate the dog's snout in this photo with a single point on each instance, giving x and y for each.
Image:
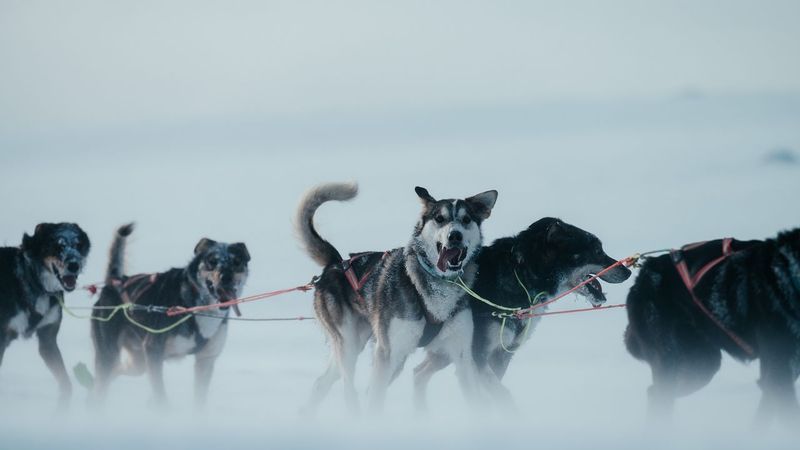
(455, 237)
(73, 266)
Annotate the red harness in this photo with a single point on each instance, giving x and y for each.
(356, 282)
(691, 281)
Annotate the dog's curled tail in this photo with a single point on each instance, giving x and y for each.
(116, 257)
(318, 248)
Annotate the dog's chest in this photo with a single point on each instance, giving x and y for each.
(180, 345)
(206, 330)
(46, 312)
(208, 326)
(441, 300)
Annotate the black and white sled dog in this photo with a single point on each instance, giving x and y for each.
(549, 257)
(33, 277)
(754, 294)
(405, 300)
(216, 274)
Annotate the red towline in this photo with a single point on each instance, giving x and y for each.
(178, 310)
(527, 313)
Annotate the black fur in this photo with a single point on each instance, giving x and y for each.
(33, 278)
(755, 293)
(543, 256)
(216, 273)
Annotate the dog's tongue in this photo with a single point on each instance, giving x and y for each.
(596, 290)
(69, 281)
(446, 255)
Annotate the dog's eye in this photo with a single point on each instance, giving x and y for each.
(439, 218)
(211, 262)
(466, 220)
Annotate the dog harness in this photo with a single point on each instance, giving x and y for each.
(357, 270)
(363, 264)
(692, 280)
(133, 287)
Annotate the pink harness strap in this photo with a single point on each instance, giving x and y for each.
(691, 281)
(350, 273)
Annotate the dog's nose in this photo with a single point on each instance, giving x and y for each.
(455, 236)
(73, 266)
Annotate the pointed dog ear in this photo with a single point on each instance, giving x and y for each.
(27, 242)
(203, 245)
(482, 203)
(424, 195)
(242, 249)
(553, 230)
(40, 228)
(84, 244)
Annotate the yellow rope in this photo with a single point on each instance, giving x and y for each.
(114, 311)
(124, 308)
(460, 283)
(155, 330)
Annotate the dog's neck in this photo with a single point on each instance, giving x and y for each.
(515, 282)
(193, 292)
(30, 273)
(441, 298)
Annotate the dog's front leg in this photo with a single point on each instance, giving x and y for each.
(154, 355)
(392, 347)
(459, 346)
(203, 369)
(50, 353)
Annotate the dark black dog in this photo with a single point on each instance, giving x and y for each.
(216, 274)
(754, 294)
(33, 278)
(551, 256)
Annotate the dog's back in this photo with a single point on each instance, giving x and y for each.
(659, 304)
(749, 307)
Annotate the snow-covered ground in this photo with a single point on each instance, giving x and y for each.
(640, 174)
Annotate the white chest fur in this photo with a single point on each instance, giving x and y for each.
(443, 299)
(208, 326)
(179, 345)
(20, 323)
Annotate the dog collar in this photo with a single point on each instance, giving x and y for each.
(432, 272)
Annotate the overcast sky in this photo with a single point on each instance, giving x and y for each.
(87, 65)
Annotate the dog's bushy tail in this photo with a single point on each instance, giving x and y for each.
(318, 248)
(116, 257)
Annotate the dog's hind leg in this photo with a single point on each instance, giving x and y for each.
(50, 353)
(322, 385)
(778, 395)
(355, 338)
(433, 363)
(492, 375)
(681, 366)
(330, 315)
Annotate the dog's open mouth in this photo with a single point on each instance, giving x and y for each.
(68, 282)
(450, 258)
(221, 295)
(593, 291)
